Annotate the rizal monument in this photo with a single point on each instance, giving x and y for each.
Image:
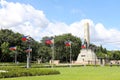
(86, 55)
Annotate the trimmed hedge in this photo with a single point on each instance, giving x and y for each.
(18, 72)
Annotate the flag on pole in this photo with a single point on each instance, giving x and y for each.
(28, 50)
(25, 38)
(68, 43)
(83, 46)
(13, 48)
(49, 41)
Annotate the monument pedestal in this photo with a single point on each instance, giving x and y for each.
(87, 56)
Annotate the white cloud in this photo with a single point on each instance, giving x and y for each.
(15, 16)
(29, 21)
(107, 37)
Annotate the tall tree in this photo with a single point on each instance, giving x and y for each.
(14, 39)
(5, 51)
(62, 52)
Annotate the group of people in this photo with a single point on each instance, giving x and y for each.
(116, 63)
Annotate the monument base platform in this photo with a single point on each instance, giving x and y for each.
(87, 56)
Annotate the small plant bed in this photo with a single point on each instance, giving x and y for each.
(8, 72)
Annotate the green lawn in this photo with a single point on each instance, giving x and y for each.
(79, 73)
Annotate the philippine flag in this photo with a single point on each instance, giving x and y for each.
(28, 50)
(13, 48)
(83, 46)
(67, 43)
(24, 38)
(49, 41)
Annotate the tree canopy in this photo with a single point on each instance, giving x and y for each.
(42, 51)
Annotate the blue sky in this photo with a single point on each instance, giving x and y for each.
(104, 11)
(55, 17)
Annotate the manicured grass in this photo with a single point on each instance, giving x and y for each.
(79, 73)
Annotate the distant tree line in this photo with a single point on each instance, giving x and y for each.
(42, 51)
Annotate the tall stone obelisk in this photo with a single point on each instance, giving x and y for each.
(87, 55)
(86, 34)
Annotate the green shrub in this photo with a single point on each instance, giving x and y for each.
(18, 72)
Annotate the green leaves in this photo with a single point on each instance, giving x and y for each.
(40, 50)
(19, 72)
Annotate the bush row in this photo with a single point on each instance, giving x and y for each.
(18, 72)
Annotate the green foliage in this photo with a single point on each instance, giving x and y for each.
(43, 52)
(5, 50)
(7, 39)
(115, 55)
(101, 52)
(18, 72)
(5, 47)
(62, 52)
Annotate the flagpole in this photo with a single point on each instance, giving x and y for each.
(16, 57)
(28, 40)
(14, 50)
(50, 42)
(28, 58)
(70, 54)
(52, 53)
(68, 44)
(28, 55)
